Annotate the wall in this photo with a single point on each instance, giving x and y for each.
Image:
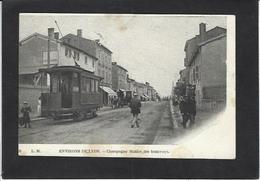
(66, 60)
(30, 94)
(104, 65)
(31, 54)
(122, 82)
(214, 63)
(213, 74)
(114, 77)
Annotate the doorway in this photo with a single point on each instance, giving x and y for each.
(66, 90)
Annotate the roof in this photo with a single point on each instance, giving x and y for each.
(68, 68)
(212, 39)
(103, 46)
(214, 32)
(192, 45)
(84, 44)
(37, 35)
(77, 48)
(31, 70)
(119, 66)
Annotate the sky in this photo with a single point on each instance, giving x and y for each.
(150, 47)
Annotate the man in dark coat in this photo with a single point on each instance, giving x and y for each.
(26, 109)
(184, 109)
(192, 109)
(188, 110)
(135, 106)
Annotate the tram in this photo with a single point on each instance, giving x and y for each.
(74, 92)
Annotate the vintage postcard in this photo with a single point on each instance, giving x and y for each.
(127, 85)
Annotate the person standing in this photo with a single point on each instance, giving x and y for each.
(26, 109)
(135, 106)
(184, 109)
(192, 110)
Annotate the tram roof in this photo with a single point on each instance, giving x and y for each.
(70, 69)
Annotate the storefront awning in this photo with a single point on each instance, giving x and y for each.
(108, 90)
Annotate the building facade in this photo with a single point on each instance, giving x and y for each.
(206, 66)
(96, 49)
(131, 84)
(104, 68)
(119, 77)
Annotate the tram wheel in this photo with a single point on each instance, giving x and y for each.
(78, 116)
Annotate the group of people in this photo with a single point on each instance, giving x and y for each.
(134, 104)
(187, 106)
(116, 102)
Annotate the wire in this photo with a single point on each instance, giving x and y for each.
(58, 28)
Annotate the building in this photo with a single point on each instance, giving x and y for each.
(205, 63)
(33, 55)
(131, 84)
(184, 75)
(119, 77)
(104, 55)
(103, 67)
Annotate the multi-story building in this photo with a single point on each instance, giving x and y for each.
(103, 67)
(206, 65)
(183, 75)
(119, 77)
(131, 84)
(33, 55)
(104, 55)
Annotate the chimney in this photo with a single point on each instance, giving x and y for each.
(56, 35)
(51, 33)
(202, 31)
(79, 32)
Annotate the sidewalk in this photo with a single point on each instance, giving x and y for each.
(200, 118)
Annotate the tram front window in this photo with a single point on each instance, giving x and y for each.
(66, 96)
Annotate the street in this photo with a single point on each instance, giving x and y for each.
(109, 127)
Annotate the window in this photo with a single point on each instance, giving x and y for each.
(76, 55)
(66, 51)
(53, 57)
(54, 84)
(92, 85)
(75, 82)
(85, 85)
(86, 60)
(97, 85)
(93, 63)
(70, 53)
(193, 74)
(197, 73)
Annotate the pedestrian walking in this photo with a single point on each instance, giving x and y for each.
(184, 110)
(188, 110)
(26, 109)
(135, 106)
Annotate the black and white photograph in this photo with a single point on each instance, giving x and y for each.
(127, 85)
